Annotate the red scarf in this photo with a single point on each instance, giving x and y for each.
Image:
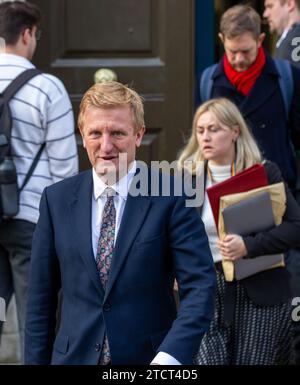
(245, 80)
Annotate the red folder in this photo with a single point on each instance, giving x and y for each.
(251, 178)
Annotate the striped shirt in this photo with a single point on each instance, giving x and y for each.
(41, 113)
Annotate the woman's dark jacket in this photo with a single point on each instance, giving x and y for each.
(271, 287)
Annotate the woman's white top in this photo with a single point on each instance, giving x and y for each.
(219, 174)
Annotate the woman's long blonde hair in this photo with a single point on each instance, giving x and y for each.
(247, 152)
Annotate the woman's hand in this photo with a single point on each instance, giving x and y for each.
(232, 247)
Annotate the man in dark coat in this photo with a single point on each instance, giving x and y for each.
(248, 76)
(283, 17)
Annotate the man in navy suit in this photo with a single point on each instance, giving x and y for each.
(115, 263)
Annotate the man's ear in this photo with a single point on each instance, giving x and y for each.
(221, 37)
(291, 4)
(82, 136)
(261, 38)
(139, 136)
(26, 36)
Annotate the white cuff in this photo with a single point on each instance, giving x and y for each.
(163, 358)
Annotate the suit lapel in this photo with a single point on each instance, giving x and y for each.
(81, 219)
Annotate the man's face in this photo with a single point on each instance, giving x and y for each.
(107, 133)
(277, 15)
(242, 50)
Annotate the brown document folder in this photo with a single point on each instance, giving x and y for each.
(278, 201)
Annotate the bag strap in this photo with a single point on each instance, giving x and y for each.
(7, 94)
(19, 82)
(5, 115)
(286, 83)
(32, 167)
(206, 83)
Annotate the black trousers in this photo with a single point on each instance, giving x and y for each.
(15, 250)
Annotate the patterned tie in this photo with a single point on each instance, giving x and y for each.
(105, 250)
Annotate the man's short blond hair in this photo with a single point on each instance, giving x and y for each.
(109, 95)
(240, 19)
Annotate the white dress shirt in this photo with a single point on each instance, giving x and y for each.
(98, 202)
(282, 37)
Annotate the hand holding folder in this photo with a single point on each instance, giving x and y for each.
(249, 212)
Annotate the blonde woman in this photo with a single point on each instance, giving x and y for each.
(252, 322)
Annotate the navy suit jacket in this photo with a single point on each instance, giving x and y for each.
(159, 239)
(286, 48)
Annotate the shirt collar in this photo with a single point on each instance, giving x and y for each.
(282, 37)
(10, 58)
(121, 186)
